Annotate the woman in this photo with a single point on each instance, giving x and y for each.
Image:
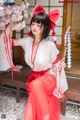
(40, 55)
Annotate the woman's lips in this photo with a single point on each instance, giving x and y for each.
(33, 30)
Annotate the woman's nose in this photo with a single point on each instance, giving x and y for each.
(35, 26)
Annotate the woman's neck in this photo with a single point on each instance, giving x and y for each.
(37, 39)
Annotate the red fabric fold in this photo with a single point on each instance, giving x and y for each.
(54, 17)
(57, 60)
(38, 9)
(12, 43)
(33, 75)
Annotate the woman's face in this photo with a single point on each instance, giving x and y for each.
(36, 28)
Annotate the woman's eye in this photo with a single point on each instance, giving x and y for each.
(39, 25)
(33, 24)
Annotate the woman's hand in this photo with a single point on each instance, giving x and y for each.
(62, 64)
(9, 29)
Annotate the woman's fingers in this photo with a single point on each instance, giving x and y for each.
(61, 65)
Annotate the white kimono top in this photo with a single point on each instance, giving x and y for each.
(46, 54)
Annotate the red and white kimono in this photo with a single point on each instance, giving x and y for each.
(43, 103)
(6, 61)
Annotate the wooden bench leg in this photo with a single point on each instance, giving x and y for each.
(63, 110)
(18, 95)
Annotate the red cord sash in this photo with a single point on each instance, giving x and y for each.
(8, 50)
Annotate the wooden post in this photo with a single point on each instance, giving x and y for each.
(64, 26)
(22, 33)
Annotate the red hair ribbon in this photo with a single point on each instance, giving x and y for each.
(37, 9)
(54, 15)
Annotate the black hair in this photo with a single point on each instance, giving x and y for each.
(44, 20)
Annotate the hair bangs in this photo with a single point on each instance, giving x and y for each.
(39, 19)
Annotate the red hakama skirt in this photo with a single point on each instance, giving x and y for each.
(42, 104)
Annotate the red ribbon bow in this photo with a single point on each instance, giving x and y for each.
(54, 15)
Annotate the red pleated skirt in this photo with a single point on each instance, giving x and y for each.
(42, 104)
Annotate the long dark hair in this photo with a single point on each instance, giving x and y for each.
(44, 20)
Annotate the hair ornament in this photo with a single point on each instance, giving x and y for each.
(54, 36)
(53, 15)
(37, 9)
(29, 33)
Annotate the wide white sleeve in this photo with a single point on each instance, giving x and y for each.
(24, 42)
(53, 52)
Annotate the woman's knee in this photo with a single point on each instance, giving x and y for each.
(35, 84)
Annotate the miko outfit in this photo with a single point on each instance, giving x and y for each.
(45, 84)
(42, 103)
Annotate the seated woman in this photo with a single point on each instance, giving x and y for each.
(40, 55)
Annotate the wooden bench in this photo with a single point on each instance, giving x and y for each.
(73, 92)
(19, 80)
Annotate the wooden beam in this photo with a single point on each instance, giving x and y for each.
(64, 26)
